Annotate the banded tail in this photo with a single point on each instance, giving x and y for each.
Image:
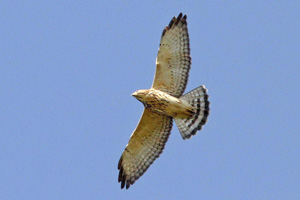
(199, 100)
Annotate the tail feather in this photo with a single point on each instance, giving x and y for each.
(198, 98)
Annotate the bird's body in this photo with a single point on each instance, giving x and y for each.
(163, 102)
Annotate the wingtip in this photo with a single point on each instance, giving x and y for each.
(120, 175)
(120, 162)
(171, 22)
(175, 20)
(125, 183)
(122, 184)
(127, 186)
(178, 18)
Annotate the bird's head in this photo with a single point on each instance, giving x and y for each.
(140, 95)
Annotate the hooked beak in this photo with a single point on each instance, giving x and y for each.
(134, 94)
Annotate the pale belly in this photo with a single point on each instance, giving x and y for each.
(162, 102)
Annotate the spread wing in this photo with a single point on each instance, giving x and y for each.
(173, 59)
(145, 145)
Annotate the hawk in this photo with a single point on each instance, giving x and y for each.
(163, 102)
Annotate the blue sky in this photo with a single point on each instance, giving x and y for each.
(67, 71)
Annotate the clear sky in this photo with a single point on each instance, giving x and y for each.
(67, 71)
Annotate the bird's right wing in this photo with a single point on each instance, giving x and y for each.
(145, 145)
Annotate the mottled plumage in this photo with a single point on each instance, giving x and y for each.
(163, 103)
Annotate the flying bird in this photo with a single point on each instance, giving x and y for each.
(163, 102)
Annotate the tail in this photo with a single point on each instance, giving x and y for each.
(199, 100)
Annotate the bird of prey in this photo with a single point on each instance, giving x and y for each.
(163, 102)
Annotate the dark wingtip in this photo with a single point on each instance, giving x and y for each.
(178, 18)
(120, 163)
(120, 175)
(175, 21)
(172, 22)
(123, 184)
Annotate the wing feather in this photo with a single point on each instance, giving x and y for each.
(145, 145)
(173, 59)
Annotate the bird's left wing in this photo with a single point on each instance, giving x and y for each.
(173, 59)
(145, 145)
